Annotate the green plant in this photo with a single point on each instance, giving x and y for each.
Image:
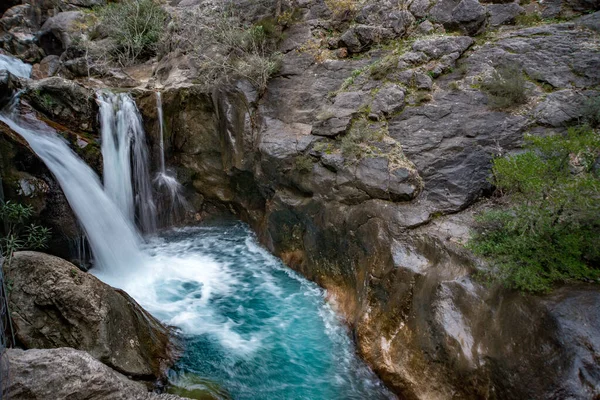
(528, 19)
(135, 26)
(551, 228)
(303, 164)
(591, 111)
(361, 132)
(17, 236)
(506, 88)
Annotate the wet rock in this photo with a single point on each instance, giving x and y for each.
(65, 102)
(8, 85)
(67, 373)
(54, 304)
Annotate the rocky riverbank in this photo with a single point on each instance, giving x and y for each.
(382, 230)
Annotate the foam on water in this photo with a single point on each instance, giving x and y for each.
(250, 324)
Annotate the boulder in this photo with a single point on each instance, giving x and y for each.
(54, 304)
(388, 100)
(59, 31)
(64, 102)
(66, 373)
(467, 15)
(502, 14)
(48, 67)
(8, 85)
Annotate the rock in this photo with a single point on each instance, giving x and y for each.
(388, 100)
(561, 108)
(568, 8)
(438, 47)
(425, 27)
(360, 37)
(48, 67)
(65, 102)
(502, 14)
(18, 26)
(467, 15)
(8, 85)
(8, 4)
(591, 21)
(54, 304)
(67, 373)
(59, 31)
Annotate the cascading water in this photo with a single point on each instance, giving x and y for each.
(166, 184)
(252, 328)
(15, 67)
(113, 239)
(125, 155)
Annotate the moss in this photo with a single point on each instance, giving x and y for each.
(303, 164)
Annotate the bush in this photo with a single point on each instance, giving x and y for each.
(362, 132)
(591, 111)
(18, 236)
(135, 26)
(342, 9)
(225, 48)
(506, 88)
(303, 164)
(551, 229)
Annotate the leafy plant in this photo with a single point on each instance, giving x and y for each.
(135, 26)
(303, 164)
(506, 88)
(591, 111)
(551, 229)
(17, 235)
(342, 9)
(361, 132)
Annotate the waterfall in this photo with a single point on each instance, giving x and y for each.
(15, 67)
(125, 155)
(112, 237)
(167, 185)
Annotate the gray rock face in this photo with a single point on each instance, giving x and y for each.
(67, 373)
(58, 31)
(501, 14)
(389, 100)
(54, 304)
(467, 15)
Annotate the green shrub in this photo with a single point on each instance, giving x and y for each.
(362, 132)
(18, 236)
(528, 19)
(591, 111)
(135, 26)
(550, 232)
(303, 164)
(506, 88)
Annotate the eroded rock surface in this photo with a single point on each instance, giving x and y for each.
(67, 373)
(54, 304)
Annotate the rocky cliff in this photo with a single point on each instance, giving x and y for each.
(363, 162)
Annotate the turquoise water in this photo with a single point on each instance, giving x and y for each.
(250, 324)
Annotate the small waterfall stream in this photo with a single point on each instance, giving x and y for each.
(171, 191)
(15, 66)
(251, 327)
(125, 155)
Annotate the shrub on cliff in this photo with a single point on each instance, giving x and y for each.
(225, 48)
(135, 26)
(550, 232)
(506, 88)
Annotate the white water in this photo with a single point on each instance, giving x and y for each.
(174, 203)
(124, 147)
(15, 67)
(113, 239)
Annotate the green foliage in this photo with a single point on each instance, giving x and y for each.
(362, 132)
(303, 164)
(551, 230)
(135, 26)
(18, 236)
(528, 19)
(506, 88)
(591, 111)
